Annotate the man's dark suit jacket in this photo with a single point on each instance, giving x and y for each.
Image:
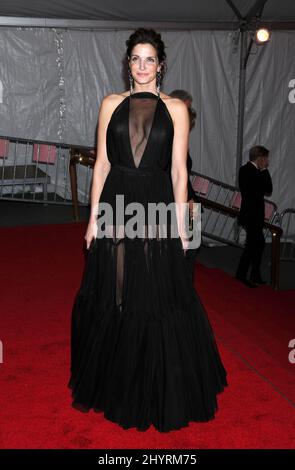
(254, 185)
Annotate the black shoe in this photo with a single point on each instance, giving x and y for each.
(258, 281)
(245, 281)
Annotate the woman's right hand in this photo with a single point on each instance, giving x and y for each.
(91, 233)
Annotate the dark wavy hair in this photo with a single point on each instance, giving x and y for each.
(147, 36)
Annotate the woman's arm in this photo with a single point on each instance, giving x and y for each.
(101, 168)
(179, 172)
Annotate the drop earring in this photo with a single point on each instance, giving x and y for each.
(131, 81)
(158, 81)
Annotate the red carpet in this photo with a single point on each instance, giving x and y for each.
(41, 267)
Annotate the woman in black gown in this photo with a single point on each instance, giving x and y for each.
(142, 348)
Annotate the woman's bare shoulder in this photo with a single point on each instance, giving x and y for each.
(110, 102)
(175, 106)
(115, 97)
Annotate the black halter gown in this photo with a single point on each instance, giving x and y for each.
(142, 348)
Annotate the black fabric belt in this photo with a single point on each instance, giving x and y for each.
(137, 171)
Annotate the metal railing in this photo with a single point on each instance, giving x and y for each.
(38, 171)
(221, 203)
(219, 225)
(287, 223)
(79, 157)
(274, 230)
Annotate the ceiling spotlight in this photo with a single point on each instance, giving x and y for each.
(262, 35)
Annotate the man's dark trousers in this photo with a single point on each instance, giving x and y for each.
(252, 253)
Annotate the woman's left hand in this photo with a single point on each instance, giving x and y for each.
(185, 244)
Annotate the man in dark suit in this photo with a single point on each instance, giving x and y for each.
(255, 183)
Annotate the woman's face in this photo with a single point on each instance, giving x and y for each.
(144, 63)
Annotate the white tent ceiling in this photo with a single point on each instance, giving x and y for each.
(211, 14)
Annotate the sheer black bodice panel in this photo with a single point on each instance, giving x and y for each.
(141, 117)
(140, 132)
